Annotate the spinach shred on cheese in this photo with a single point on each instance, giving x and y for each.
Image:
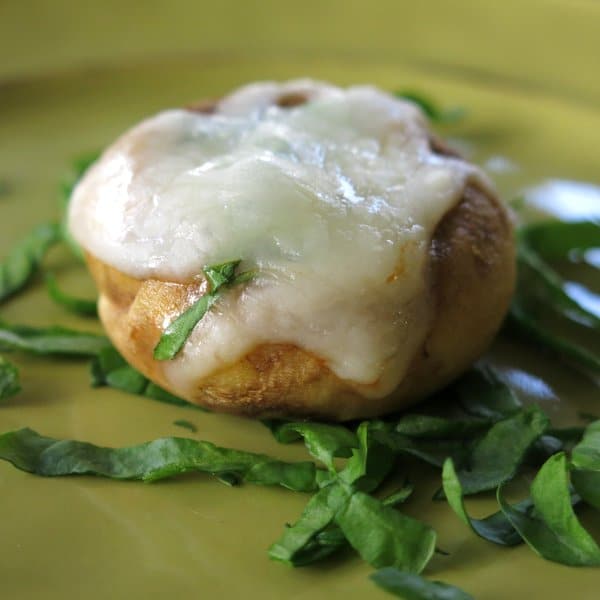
(177, 332)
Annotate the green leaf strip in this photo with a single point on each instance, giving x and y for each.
(50, 340)
(323, 441)
(9, 379)
(432, 110)
(78, 306)
(25, 258)
(177, 332)
(558, 239)
(109, 368)
(414, 587)
(483, 394)
(552, 530)
(527, 325)
(151, 461)
(551, 287)
(496, 528)
(497, 456)
(585, 465)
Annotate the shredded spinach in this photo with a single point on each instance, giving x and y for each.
(79, 306)
(109, 368)
(9, 379)
(299, 545)
(178, 331)
(159, 459)
(431, 109)
(435, 428)
(551, 528)
(414, 587)
(481, 393)
(400, 496)
(585, 465)
(496, 457)
(550, 288)
(383, 536)
(323, 441)
(343, 512)
(430, 451)
(556, 240)
(586, 455)
(496, 528)
(528, 326)
(24, 260)
(587, 485)
(50, 340)
(185, 424)
(539, 286)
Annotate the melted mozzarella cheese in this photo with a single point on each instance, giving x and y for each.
(334, 202)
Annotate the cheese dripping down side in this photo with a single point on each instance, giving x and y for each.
(334, 201)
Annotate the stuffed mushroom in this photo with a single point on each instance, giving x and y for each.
(382, 264)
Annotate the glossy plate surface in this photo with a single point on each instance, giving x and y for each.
(193, 537)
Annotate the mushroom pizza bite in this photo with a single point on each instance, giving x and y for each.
(382, 264)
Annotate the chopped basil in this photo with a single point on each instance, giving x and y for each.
(483, 394)
(414, 587)
(371, 461)
(586, 455)
(495, 528)
(587, 484)
(342, 513)
(526, 324)
(79, 306)
(430, 427)
(185, 424)
(430, 451)
(496, 457)
(178, 331)
(299, 545)
(324, 442)
(9, 379)
(383, 536)
(432, 110)
(559, 239)
(315, 535)
(25, 258)
(159, 459)
(50, 340)
(338, 515)
(400, 496)
(540, 287)
(550, 527)
(542, 279)
(585, 463)
(109, 368)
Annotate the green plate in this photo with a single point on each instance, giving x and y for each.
(193, 537)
